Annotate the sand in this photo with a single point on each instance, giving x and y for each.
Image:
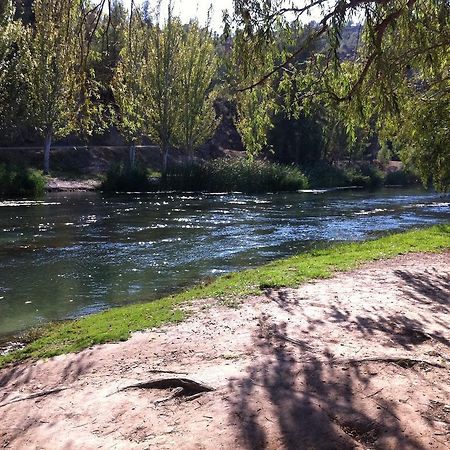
(361, 360)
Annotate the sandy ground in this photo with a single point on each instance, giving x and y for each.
(60, 185)
(360, 361)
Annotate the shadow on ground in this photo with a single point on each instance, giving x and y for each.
(312, 400)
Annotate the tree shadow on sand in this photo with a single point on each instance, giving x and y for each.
(294, 398)
(313, 403)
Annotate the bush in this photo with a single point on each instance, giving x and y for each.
(122, 178)
(367, 176)
(401, 178)
(21, 182)
(324, 175)
(240, 174)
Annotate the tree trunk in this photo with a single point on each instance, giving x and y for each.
(132, 156)
(165, 149)
(47, 145)
(190, 157)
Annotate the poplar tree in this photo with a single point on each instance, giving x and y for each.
(129, 83)
(197, 67)
(162, 78)
(12, 80)
(53, 77)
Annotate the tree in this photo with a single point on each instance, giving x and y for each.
(255, 107)
(198, 67)
(129, 83)
(12, 39)
(53, 75)
(162, 76)
(402, 55)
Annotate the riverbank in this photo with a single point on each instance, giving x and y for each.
(355, 361)
(117, 324)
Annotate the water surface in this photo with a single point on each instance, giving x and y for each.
(74, 254)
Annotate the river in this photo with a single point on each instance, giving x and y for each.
(73, 254)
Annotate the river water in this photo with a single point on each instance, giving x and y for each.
(73, 254)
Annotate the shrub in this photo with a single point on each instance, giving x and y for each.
(21, 182)
(324, 175)
(366, 175)
(240, 174)
(401, 178)
(122, 178)
(375, 176)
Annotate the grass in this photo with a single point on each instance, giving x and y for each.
(117, 324)
(235, 174)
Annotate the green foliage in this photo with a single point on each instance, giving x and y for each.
(375, 177)
(395, 77)
(12, 81)
(255, 107)
(117, 324)
(325, 175)
(235, 175)
(17, 182)
(254, 122)
(129, 82)
(108, 42)
(401, 178)
(298, 140)
(123, 178)
(53, 81)
(162, 72)
(163, 84)
(198, 65)
(423, 138)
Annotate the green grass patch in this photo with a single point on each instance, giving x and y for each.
(117, 324)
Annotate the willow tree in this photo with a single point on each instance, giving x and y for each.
(197, 68)
(402, 54)
(129, 84)
(53, 75)
(162, 77)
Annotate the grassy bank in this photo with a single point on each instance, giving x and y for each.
(117, 324)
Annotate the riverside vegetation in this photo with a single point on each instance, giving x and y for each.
(251, 177)
(20, 182)
(310, 94)
(117, 324)
(221, 175)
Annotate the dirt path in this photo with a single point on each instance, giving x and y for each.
(358, 361)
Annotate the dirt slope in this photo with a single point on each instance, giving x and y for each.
(358, 361)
